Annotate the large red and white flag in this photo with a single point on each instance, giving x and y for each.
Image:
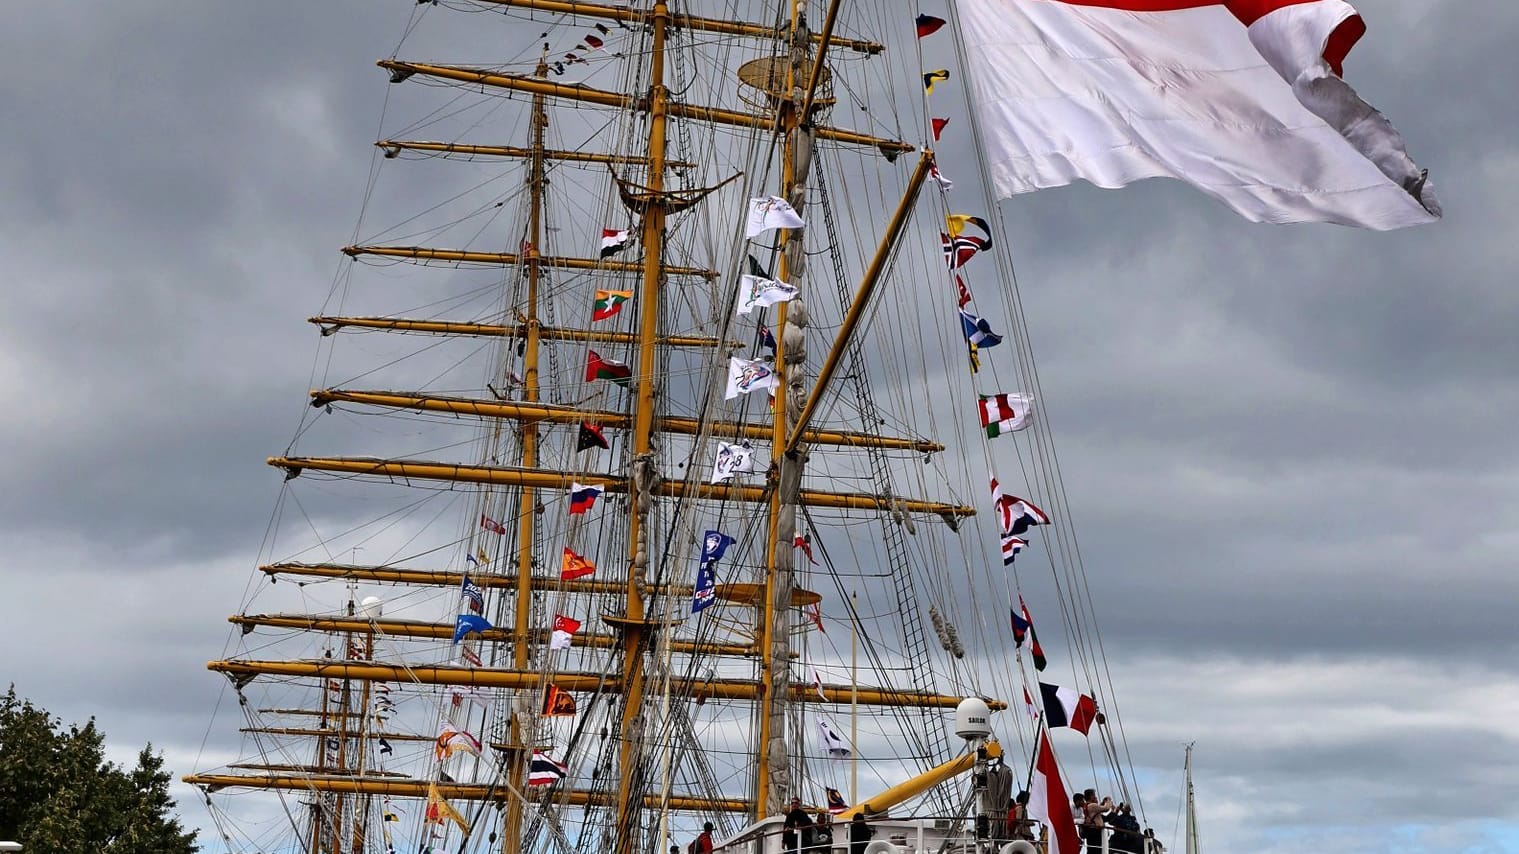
(1048, 802)
(1240, 98)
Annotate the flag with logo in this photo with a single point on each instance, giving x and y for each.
(563, 631)
(590, 436)
(732, 459)
(761, 292)
(746, 375)
(770, 212)
(469, 624)
(558, 703)
(573, 566)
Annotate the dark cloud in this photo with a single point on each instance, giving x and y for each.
(1288, 450)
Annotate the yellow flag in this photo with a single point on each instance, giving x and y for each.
(439, 810)
(932, 77)
(955, 223)
(482, 556)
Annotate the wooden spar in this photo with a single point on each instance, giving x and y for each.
(299, 731)
(861, 298)
(629, 15)
(510, 259)
(496, 677)
(525, 411)
(619, 101)
(418, 629)
(392, 147)
(548, 479)
(497, 330)
(374, 785)
(518, 753)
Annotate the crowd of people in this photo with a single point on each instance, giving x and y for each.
(802, 833)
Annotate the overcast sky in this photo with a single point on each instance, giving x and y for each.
(1290, 450)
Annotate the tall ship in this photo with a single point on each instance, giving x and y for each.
(675, 473)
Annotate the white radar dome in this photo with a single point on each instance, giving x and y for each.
(371, 608)
(973, 719)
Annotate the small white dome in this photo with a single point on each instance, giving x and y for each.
(973, 719)
(371, 608)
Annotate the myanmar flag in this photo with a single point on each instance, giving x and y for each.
(597, 368)
(609, 303)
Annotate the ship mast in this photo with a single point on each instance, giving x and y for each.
(642, 473)
(522, 633)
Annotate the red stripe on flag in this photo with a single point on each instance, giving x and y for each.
(1248, 11)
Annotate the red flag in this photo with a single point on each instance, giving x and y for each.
(928, 25)
(1048, 802)
(574, 566)
(939, 125)
(805, 544)
(491, 525)
(962, 293)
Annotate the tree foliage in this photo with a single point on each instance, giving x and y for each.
(59, 795)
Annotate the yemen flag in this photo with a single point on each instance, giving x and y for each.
(609, 303)
(1243, 99)
(590, 437)
(1067, 707)
(613, 240)
(597, 368)
(1048, 802)
(574, 566)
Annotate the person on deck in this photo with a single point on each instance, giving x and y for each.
(1018, 823)
(797, 823)
(1126, 836)
(703, 843)
(860, 832)
(1152, 845)
(822, 834)
(1095, 812)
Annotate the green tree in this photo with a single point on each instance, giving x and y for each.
(59, 795)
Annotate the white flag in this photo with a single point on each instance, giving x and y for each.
(769, 212)
(1242, 100)
(834, 743)
(758, 291)
(746, 375)
(731, 460)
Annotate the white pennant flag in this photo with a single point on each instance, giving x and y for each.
(758, 291)
(746, 375)
(731, 460)
(769, 212)
(834, 743)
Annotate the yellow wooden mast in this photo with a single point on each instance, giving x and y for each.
(643, 474)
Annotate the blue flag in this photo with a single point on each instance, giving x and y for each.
(706, 588)
(472, 591)
(713, 546)
(469, 623)
(978, 331)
